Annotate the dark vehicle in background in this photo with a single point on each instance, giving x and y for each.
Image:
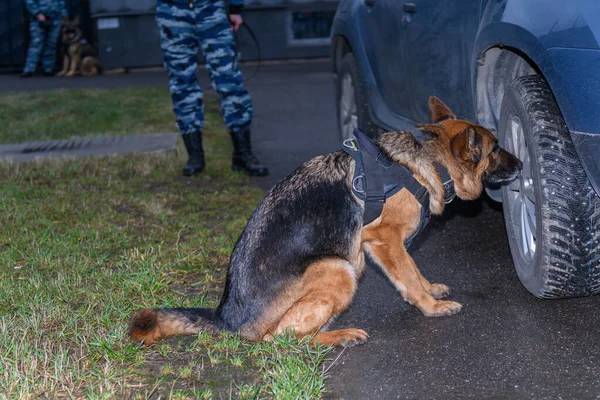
(528, 70)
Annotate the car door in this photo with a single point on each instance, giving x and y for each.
(387, 54)
(440, 37)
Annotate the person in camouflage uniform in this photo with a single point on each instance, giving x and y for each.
(44, 28)
(185, 26)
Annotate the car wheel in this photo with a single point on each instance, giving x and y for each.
(352, 106)
(551, 211)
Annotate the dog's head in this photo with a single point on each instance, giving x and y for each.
(71, 32)
(473, 155)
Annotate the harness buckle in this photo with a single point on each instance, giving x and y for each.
(349, 143)
(359, 180)
(449, 192)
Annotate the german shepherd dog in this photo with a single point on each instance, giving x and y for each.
(297, 262)
(78, 54)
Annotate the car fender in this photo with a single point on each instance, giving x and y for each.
(356, 11)
(352, 36)
(560, 39)
(571, 73)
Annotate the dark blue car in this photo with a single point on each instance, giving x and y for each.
(529, 71)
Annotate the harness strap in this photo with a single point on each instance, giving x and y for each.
(385, 177)
(377, 178)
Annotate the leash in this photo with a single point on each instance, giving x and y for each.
(238, 54)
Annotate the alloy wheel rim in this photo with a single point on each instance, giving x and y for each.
(521, 192)
(348, 111)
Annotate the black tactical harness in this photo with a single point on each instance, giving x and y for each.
(377, 178)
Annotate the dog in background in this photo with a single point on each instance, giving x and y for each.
(297, 262)
(78, 54)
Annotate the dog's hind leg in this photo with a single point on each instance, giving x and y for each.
(327, 289)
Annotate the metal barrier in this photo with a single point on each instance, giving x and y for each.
(128, 36)
(13, 32)
(125, 32)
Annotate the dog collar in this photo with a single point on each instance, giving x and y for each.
(449, 192)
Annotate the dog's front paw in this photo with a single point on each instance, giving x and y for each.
(439, 290)
(70, 74)
(352, 337)
(61, 73)
(442, 308)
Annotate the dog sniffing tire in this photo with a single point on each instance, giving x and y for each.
(563, 207)
(351, 101)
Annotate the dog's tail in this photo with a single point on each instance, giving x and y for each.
(149, 325)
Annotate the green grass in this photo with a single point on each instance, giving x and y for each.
(85, 242)
(64, 114)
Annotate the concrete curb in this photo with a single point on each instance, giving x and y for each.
(85, 147)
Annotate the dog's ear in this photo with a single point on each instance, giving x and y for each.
(438, 111)
(76, 21)
(64, 21)
(468, 145)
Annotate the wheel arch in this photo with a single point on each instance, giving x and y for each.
(497, 66)
(505, 49)
(339, 48)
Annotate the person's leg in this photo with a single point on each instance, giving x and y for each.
(218, 47)
(180, 50)
(36, 42)
(49, 51)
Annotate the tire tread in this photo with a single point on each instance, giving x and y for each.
(570, 206)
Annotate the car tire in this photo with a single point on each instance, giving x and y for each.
(352, 105)
(551, 211)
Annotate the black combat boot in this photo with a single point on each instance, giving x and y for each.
(193, 145)
(243, 158)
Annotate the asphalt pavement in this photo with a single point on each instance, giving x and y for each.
(505, 344)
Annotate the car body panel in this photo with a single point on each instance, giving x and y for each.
(440, 58)
(538, 29)
(383, 35)
(350, 23)
(574, 76)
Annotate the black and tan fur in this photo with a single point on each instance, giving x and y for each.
(297, 262)
(78, 54)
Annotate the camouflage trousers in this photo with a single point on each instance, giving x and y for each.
(42, 43)
(183, 31)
